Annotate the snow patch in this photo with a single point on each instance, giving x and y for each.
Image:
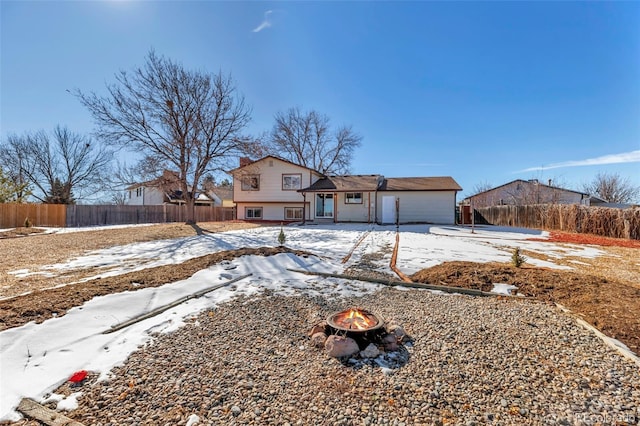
(69, 403)
(501, 288)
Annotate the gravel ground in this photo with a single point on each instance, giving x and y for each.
(474, 361)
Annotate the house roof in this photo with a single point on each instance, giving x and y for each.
(349, 183)
(232, 171)
(223, 193)
(168, 177)
(534, 182)
(345, 183)
(437, 183)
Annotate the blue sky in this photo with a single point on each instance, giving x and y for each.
(485, 92)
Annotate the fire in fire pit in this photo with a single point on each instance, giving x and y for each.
(359, 337)
(355, 320)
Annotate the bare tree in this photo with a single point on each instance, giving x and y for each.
(14, 187)
(186, 121)
(62, 167)
(16, 166)
(307, 139)
(613, 188)
(12, 190)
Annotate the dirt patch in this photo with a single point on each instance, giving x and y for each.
(610, 305)
(569, 237)
(45, 304)
(368, 265)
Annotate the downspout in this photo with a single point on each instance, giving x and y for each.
(375, 206)
(304, 208)
(455, 203)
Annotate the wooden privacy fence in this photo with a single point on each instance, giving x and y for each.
(14, 215)
(608, 222)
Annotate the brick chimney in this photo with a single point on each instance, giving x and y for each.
(245, 161)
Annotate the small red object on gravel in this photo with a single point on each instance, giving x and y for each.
(78, 376)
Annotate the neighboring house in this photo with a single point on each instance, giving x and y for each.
(162, 190)
(527, 192)
(222, 196)
(274, 189)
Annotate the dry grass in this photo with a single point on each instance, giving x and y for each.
(29, 248)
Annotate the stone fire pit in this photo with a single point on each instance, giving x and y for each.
(358, 337)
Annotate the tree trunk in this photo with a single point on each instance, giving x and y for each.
(191, 211)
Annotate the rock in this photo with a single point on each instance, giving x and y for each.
(320, 327)
(340, 346)
(370, 351)
(390, 342)
(398, 330)
(318, 339)
(390, 326)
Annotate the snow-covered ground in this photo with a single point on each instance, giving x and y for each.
(36, 358)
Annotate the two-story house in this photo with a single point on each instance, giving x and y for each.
(161, 190)
(273, 189)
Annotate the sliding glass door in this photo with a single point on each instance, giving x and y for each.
(324, 205)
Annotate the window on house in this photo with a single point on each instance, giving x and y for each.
(291, 182)
(139, 191)
(353, 198)
(293, 213)
(250, 183)
(253, 213)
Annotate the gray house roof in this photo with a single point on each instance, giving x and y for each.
(348, 183)
(364, 183)
(438, 183)
(223, 193)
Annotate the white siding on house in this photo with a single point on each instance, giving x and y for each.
(271, 196)
(135, 198)
(423, 206)
(270, 171)
(270, 211)
(145, 196)
(343, 212)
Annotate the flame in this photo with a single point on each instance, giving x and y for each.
(355, 319)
